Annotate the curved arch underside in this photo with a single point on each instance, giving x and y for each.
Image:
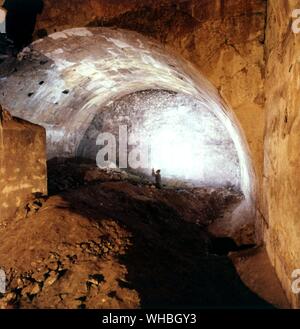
(63, 81)
(186, 141)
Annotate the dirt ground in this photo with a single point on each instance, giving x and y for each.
(109, 240)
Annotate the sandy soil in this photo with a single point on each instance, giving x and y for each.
(110, 241)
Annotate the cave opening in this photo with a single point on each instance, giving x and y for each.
(180, 136)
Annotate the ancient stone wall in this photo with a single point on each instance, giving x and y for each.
(22, 164)
(282, 144)
(223, 38)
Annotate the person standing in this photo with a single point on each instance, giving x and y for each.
(157, 176)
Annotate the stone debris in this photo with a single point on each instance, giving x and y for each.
(103, 247)
(70, 175)
(45, 273)
(34, 205)
(88, 271)
(53, 276)
(95, 279)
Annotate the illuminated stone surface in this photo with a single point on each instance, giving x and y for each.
(70, 75)
(186, 140)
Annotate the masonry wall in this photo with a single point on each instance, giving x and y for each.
(282, 144)
(22, 165)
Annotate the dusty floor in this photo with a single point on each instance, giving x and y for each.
(112, 241)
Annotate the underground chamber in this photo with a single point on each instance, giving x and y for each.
(96, 89)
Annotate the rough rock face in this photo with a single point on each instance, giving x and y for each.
(282, 143)
(223, 38)
(23, 172)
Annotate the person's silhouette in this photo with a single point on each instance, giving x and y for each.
(157, 176)
(20, 20)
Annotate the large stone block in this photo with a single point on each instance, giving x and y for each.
(22, 164)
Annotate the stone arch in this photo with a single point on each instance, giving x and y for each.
(63, 79)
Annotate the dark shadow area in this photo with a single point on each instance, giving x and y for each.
(169, 261)
(158, 22)
(6, 47)
(9, 64)
(21, 19)
(223, 246)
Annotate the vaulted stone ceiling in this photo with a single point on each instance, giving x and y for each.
(65, 80)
